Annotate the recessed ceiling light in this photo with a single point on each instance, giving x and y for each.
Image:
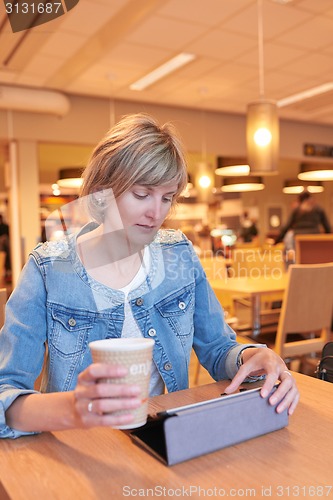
(282, 2)
(162, 71)
(306, 94)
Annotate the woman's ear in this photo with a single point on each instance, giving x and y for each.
(99, 201)
(101, 198)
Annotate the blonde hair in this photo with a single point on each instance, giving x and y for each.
(137, 150)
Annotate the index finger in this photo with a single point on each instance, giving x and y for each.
(96, 371)
(237, 380)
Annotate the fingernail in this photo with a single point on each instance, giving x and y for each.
(264, 393)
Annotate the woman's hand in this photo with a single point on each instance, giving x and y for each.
(96, 402)
(259, 361)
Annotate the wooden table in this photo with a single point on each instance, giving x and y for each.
(253, 288)
(103, 463)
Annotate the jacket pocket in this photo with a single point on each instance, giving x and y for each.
(70, 330)
(178, 309)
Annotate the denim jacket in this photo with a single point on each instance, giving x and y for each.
(57, 304)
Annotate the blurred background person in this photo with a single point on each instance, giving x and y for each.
(248, 232)
(306, 218)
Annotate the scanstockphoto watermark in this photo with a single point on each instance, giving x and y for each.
(24, 15)
(194, 491)
(263, 491)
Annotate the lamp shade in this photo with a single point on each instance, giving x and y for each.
(231, 166)
(244, 183)
(233, 170)
(316, 172)
(262, 137)
(70, 177)
(296, 186)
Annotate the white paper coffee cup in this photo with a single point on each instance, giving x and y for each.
(136, 355)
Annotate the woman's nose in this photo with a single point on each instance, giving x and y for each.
(154, 209)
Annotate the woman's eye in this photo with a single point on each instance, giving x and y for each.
(167, 200)
(140, 196)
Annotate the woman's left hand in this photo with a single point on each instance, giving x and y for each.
(259, 361)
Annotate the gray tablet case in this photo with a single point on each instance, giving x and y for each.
(187, 432)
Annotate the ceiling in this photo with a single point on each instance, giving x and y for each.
(100, 47)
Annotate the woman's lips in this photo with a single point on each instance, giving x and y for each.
(145, 227)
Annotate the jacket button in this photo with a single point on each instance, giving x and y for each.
(71, 322)
(181, 305)
(139, 301)
(151, 332)
(168, 366)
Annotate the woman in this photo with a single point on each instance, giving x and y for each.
(119, 276)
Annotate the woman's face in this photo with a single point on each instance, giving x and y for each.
(141, 211)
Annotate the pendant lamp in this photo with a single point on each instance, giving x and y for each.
(262, 123)
(233, 170)
(240, 184)
(296, 186)
(316, 172)
(231, 166)
(70, 177)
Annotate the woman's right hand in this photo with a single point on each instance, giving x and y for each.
(96, 402)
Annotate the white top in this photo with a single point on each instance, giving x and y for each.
(130, 326)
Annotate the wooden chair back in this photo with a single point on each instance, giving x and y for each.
(306, 309)
(313, 248)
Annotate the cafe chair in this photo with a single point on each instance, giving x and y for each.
(313, 248)
(306, 312)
